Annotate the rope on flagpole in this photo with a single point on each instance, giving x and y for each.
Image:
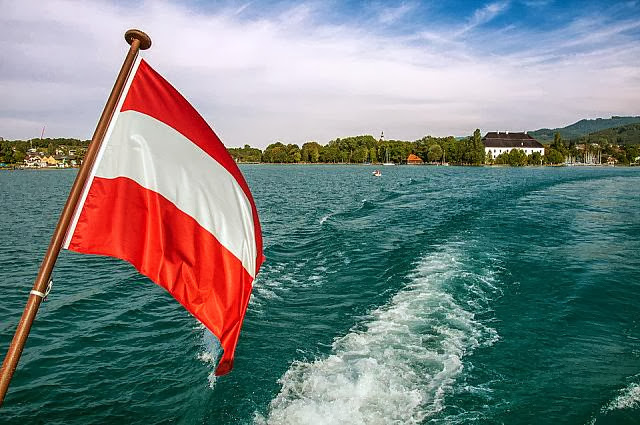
(46, 293)
(137, 40)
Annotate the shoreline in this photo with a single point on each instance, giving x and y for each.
(367, 165)
(37, 168)
(384, 167)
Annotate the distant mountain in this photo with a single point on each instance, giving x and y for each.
(582, 128)
(624, 135)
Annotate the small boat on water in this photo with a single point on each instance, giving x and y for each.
(388, 162)
(377, 173)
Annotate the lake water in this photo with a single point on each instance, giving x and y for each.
(440, 295)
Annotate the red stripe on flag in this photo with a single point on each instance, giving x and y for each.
(152, 95)
(171, 248)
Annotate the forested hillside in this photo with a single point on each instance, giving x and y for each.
(582, 128)
(625, 135)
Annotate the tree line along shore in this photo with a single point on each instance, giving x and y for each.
(620, 145)
(363, 149)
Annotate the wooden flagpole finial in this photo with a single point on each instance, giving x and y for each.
(138, 40)
(133, 34)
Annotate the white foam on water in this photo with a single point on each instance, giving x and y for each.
(269, 285)
(276, 279)
(629, 398)
(326, 217)
(395, 368)
(210, 355)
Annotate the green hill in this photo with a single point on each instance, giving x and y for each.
(583, 128)
(624, 135)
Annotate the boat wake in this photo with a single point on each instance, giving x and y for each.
(618, 410)
(398, 366)
(629, 398)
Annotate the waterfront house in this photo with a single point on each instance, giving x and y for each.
(51, 161)
(496, 143)
(34, 161)
(63, 161)
(414, 160)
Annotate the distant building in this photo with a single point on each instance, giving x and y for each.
(50, 161)
(497, 143)
(414, 159)
(34, 161)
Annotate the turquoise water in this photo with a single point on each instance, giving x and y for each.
(443, 295)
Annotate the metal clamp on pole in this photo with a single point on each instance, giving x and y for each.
(46, 293)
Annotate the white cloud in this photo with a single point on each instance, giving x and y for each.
(390, 15)
(290, 77)
(485, 14)
(537, 3)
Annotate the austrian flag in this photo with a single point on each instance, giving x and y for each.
(165, 195)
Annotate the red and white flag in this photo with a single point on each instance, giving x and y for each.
(165, 195)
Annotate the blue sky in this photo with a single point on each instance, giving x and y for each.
(261, 71)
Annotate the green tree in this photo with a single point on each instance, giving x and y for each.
(245, 154)
(293, 153)
(477, 148)
(517, 158)
(453, 150)
(488, 158)
(330, 153)
(535, 158)
(275, 152)
(554, 157)
(621, 156)
(360, 154)
(434, 153)
(19, 156)
(315, 155)
(558, 145)
(6, 153)
(310, 152)
(502, 159)
(632, 153)
(346, 149)
(373, 156)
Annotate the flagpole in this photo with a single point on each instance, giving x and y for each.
(137, 40)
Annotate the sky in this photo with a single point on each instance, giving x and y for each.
(295, 71)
